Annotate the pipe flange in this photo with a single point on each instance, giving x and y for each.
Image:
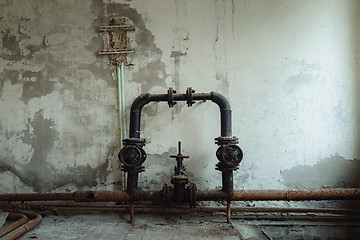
(139, 142)
(166, 195)
(136, 169)
(225, 168)
(189, 96)
(192, 195)
(171, 93)
(226, 140)
(179, 179)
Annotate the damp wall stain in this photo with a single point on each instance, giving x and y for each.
(57, 92)
(68, 93)
(10, 43)
(41, 175)
(333, 172)
(51, 75)
(149, 69)
(152, 74)
(158, 169)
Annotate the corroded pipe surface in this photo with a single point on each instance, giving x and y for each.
(298, 195)
(159, 209)
(210, 195)
(85, 196)
(37, 197)
(25, 227)
(20, 220)
(279, 195)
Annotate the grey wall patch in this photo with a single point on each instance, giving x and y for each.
(330, 172)
(153, 74)
(11, 75)
(10, 43)
(40, 174)
(37, 84)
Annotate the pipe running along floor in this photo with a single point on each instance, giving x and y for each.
(196, 226)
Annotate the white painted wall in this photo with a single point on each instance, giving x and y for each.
(289, 69)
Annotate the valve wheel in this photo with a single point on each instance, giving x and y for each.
(132, 156)
(230, 155)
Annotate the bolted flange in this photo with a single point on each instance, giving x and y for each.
(171, 93)
(189, 96)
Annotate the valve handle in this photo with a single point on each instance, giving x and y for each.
(179, 159)
(179, 155)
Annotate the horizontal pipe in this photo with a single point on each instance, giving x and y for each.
(85, 196)
(142, 100)
(20, 220)
(281, 195)
(208, 195)
(298, 195)
(36, 219)
(152, 208)
(36, 197)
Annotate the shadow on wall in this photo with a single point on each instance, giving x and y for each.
(333, 172)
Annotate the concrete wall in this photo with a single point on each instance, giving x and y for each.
(290, 69)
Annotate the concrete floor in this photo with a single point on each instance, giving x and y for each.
(191, 226)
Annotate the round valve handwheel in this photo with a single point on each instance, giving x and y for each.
(230, 155)
(132, 156)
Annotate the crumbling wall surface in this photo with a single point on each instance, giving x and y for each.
(289, 69)
(58, 99)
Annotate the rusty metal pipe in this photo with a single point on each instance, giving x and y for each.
(228, 212)
(157, 209)
(298, 195)
(132, 209)
(25, 227)
(36, 197)
(279, 195)
(85, 196)
(210, 195)
(20, 220)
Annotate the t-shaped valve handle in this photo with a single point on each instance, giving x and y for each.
(179, 158)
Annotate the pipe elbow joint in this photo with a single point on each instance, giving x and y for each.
(221, 101)
(140, 102)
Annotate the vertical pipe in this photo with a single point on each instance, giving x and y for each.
(131, 213)
(132, 181)
(225, 116)
(122, 121)
(227, 181)
(228, 212)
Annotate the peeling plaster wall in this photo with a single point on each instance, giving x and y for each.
(289, 69)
